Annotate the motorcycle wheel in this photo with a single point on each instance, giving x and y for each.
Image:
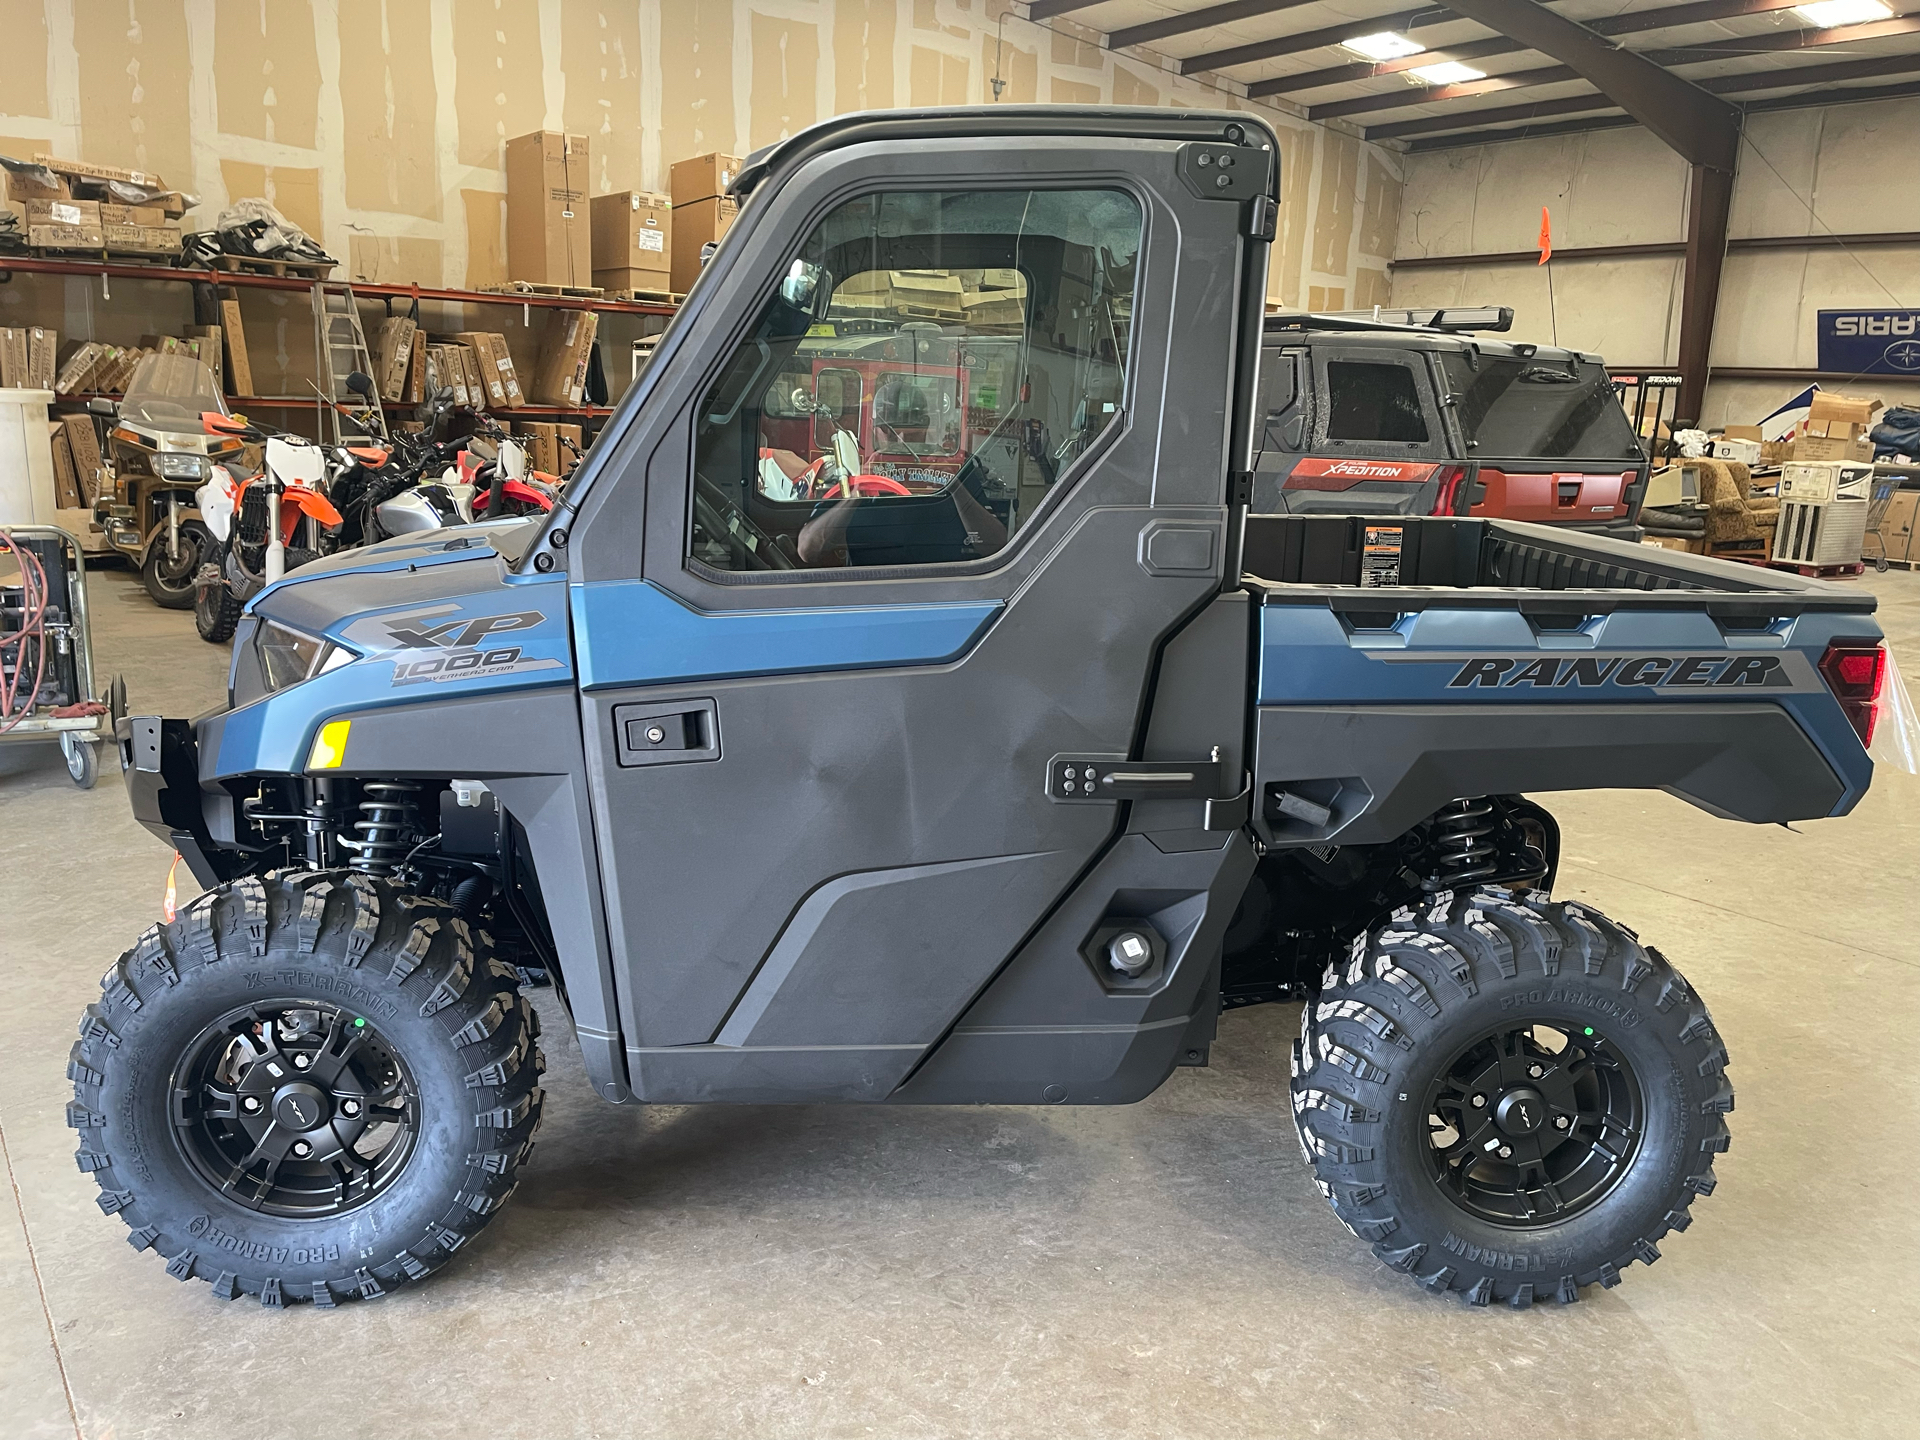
(170, 580)
(216, 611)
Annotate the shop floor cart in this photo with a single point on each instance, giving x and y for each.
(46, 651)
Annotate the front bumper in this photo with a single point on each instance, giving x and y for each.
(161, 761)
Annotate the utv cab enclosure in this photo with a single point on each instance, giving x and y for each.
(903, 705)
(1411, 412)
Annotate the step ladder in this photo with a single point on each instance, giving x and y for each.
(342, 347)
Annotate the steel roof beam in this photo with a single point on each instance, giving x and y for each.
(1047, 9)
(1303, 40)
(1703, 13)
(1704, 129)
(1435, 94)
(1368, 69)
(1203, 19)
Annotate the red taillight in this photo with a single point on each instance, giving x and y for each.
(1854, 671)
(1450, 481)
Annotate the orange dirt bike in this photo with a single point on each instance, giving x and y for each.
(266, 524)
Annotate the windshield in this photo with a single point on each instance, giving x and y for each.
(1535, 409)
(169, 392)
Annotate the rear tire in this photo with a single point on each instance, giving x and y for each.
(379, 1008)
(1509, 1097)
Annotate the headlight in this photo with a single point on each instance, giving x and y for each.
(180, 467)
(287, 657)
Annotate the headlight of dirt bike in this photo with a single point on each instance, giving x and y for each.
(181, 467)
(287, 657)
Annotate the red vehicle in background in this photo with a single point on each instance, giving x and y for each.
(1414, 413)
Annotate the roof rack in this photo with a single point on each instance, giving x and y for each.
(1450, 319)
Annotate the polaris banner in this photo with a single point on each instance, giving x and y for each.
(1869, 342)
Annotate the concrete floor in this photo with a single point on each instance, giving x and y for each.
(1164, 1269)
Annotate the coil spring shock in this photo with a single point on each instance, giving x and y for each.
(388, 820)
(1461, 849)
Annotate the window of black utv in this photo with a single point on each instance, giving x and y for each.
(1525, 409)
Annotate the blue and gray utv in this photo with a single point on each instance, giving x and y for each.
(903, 707)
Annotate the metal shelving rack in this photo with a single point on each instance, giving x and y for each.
(109, 270)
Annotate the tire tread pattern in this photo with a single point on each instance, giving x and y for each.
(340, 919)
(1370, 1011)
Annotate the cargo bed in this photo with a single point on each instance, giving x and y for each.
(1406, 662)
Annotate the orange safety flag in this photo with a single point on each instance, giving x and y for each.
(1546, 237)
(168, 908)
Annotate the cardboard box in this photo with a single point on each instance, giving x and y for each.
(702, 178)
(549, 234)
(543, 446)
(65, 237)
(696, 224)
(142, 239)
(570, 458)
(212, 352)
(1741, 432)
(100, 172)
(62, 212)
(502, 361)
(630, 232)
(1828, 405)
(83, 447)
(564, 356)
(152, 215)
(239, 370)
(1820, 447)
(66, 489)
(1896, 528)
(446, 370)
(486, 373)
(393, 356)
(13, 359)
(78, 367)
(43, 345)
(1747, 452)
(1674, 542)
(21, 187)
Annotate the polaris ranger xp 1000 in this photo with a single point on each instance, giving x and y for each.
(903, 706)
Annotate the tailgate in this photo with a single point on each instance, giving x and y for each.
(1554, 497)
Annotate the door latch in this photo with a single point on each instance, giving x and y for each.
(1096, 778)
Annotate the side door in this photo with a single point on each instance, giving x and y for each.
(1374, 437)
(839, 701)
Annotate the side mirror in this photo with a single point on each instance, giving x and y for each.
(808, 288)
(214, 423)
(100, 405)
(361, 384)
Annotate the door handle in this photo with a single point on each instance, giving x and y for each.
(676, 732)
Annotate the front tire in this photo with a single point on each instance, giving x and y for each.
(169, 581)
(309, 1088)
(216, 609)
(1509, 1097)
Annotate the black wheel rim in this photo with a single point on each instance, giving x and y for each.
(1533, 1123)
(295, 1108)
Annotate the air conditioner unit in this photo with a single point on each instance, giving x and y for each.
(1821, 532)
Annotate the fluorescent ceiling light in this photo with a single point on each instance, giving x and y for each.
(1828, 13)
(1452, 72)
(1385, 45)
